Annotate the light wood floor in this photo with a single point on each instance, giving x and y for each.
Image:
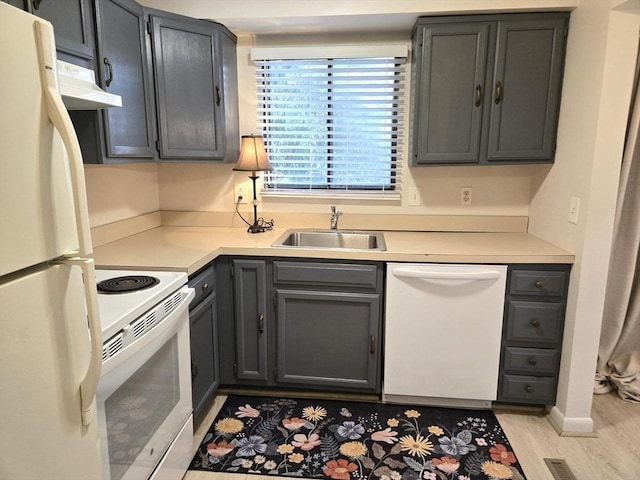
(614, 454)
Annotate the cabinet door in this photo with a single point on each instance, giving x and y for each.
(526, 89)
(250, 301)
(124, 70)
(449, 93)
(72, 24)
(328, 339)
(186, 66)
(204, 353)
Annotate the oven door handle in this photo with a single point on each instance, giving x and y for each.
(167, 327)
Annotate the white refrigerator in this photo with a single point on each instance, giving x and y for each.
(50, 335)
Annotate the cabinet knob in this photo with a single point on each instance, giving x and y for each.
(205, 287)
(535, 322)
(539, 284)
(194, 370)
(533, 362)
(529, 389)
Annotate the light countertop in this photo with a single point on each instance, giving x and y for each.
(191, 248)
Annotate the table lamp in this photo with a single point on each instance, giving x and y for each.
(253, 158)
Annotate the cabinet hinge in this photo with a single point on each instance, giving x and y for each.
(157, 145)
(235, 368)
(275, 301)
(566, 31)
(232, 270)
(149, 28)
(421, 37)
(553, 147)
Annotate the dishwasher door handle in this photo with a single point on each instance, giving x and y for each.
(422, 274)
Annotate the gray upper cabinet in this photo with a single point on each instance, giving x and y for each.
(72, 22)
(123, 53)
(187, 68)
(486, 89)
(449, 96)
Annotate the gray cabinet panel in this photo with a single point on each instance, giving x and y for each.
(230, 95)
(326, 274)
(204, 353)
(124, 70)
(449, 97)
(527, 78)
(486, 88)
(251, 319)
(327, 338)
(72, 23)
(189, 95)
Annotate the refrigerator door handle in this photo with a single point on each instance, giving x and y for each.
(62, 122)
(89, 383)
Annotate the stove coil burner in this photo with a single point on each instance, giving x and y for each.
(130, 283)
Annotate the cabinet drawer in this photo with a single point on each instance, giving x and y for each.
(530, 361)
(525, 389)
(534, 322)
(537, 282)
(325, 274)
(204, 284)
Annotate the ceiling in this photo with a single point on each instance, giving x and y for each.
(279, 17)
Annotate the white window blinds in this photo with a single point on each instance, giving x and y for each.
(332, 124)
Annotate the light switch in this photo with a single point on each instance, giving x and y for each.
(414, 198)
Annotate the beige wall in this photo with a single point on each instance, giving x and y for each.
(117, 192)
(599, 66)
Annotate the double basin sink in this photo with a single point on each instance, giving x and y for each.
(332, 240)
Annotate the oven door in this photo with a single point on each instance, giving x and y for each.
(144, 397)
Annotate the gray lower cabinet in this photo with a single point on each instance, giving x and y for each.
(532, 333)
(205, 375)
(486, 89)
(304, 324)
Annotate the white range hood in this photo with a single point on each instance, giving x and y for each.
(79, 90)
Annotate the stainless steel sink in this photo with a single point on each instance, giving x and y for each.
(332, 239)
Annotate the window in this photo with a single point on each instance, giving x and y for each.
(332, 124)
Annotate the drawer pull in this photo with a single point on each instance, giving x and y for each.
(205, 287)
(261, 323)
(533, 362)
(539, 284)
(535, 322)
(529, 389)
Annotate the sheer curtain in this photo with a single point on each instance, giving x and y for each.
(619, 353)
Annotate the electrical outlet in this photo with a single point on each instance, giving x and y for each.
(240, 190)
(574, 209)
(413, 197)
(465, 195)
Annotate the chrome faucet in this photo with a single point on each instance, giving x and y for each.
(335, 215)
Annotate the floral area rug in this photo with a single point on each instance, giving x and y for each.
(343, 440)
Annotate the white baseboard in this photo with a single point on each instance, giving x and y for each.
(571, 426)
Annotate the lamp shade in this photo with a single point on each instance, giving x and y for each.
(253, 156)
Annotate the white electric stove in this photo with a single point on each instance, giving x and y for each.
(119, 307)
(146, 360)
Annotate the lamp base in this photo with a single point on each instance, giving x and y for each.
(255, 228)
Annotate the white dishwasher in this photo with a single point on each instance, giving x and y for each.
(443, 324)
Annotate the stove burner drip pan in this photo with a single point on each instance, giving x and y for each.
(130, 283)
